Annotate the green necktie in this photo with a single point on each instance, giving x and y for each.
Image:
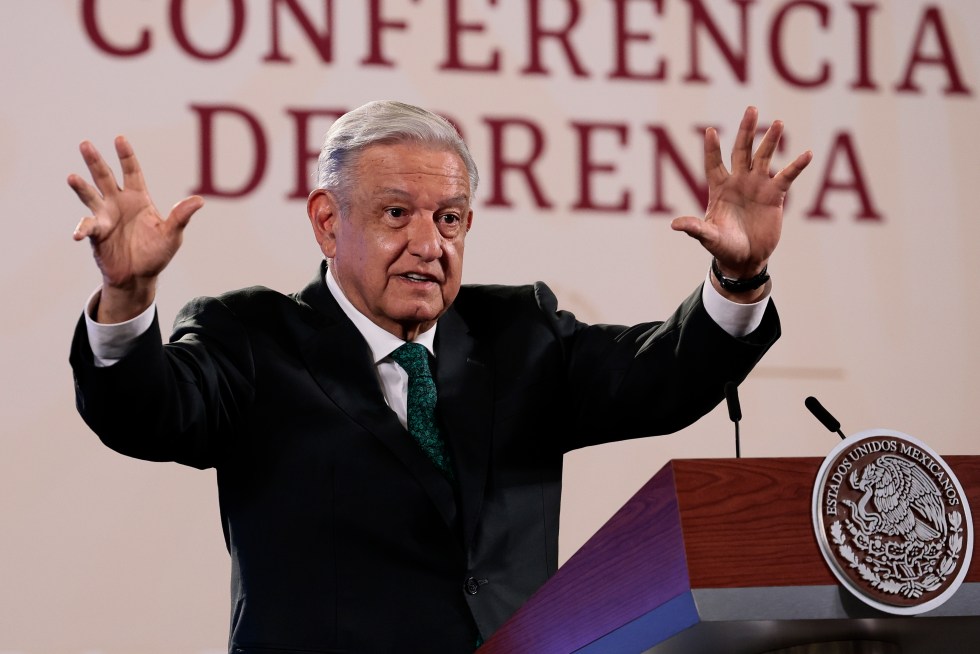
(414, 358)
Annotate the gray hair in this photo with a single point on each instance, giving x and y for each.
(378, 123)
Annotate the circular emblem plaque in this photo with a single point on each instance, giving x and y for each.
(892, 522)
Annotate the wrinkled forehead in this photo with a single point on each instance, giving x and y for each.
(411, 168)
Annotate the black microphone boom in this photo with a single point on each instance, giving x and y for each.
(823, 415)
(734, 413)
(731, 396)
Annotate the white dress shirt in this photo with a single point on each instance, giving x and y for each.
(393, 378)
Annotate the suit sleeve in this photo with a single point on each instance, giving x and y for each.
(175, 402)
(653, 378)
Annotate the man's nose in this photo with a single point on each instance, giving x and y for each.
(424, 239)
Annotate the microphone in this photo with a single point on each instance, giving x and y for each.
(823, 415)
(734, 413)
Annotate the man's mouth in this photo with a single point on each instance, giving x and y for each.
(418, 277)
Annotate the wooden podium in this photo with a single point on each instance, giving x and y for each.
(719, 556)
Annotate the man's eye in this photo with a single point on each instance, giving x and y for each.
(449, 218)
(396, 212)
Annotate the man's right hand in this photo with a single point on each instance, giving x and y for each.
(131, 242)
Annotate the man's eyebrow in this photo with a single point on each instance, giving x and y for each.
(456, 200)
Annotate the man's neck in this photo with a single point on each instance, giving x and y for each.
(381, 341)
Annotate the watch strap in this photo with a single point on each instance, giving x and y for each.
(733, 285)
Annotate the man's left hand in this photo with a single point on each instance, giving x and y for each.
(742, 224)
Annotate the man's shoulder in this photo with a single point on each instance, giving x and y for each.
(500, 296)
(246, 300)
(253, 304)
(497, 306)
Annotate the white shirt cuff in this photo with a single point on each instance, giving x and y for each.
(111, 342)
(736, 319)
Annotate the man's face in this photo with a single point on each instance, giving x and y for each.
(398, 253)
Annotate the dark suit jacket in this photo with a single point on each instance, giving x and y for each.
(342, 535)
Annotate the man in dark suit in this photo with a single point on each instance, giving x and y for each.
(361, 514)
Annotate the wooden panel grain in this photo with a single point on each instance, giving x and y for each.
(967, 469)
(747, 522)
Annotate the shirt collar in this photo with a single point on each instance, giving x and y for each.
(381, 342)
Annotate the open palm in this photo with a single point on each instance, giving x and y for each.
(743, 221)
(131, 242)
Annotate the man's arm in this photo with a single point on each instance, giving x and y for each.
(659, 377)
(123, 380)
(565, 384)
(177, 402)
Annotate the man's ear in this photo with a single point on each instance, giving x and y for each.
(324, 212)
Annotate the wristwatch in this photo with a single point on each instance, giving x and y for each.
(733, 285)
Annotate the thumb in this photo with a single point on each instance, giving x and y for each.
(690, 225)
(705, 233)
(88, 227)
(181, 212)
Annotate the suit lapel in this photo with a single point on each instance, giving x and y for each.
(464, 380)
(339, 360)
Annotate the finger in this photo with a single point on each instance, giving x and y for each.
(714, 166)
(763, 156)
(181, 212)
(742, 149)
(86, 228)
(102, 175)
(785, 177)
(86, 193)
(132, 173)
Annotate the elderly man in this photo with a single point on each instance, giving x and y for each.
(388, 443)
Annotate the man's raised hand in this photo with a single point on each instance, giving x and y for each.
(131, 242)
(743, 221)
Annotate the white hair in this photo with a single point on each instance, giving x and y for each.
(378, 123)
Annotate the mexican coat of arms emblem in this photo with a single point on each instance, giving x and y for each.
(892, 522)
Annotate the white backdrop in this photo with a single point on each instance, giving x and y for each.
(875, 278)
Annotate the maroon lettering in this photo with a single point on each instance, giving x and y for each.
(95, 34)
(180, 34)
(663, 148)
(499, 163)
(863, 47)
(377, 24)
(304, 153)
(206, 119)
(776, 44)
(537, 33)
(321, 41)
(454, 30)
(621, 38)
(932, 20)
(737, 61)
(853, 181)
(587, 167)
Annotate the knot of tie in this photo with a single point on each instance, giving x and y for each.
(422, 425)
(414, 358)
